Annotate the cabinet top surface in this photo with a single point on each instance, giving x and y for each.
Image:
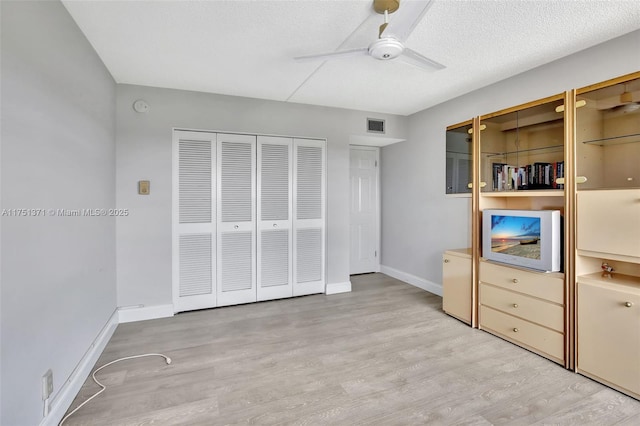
(464, 252)
(625, 282)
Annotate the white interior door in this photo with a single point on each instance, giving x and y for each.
(236, 236)
(274, 205)
(364, 210)
(194, 221)
(309, 189)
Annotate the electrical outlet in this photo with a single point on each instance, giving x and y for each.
(47, 384)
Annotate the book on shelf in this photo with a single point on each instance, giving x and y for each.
(538, 175)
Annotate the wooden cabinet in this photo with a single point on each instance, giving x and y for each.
(609, 330)
(526, 308)
(519, 155)
(456, 284)
(607, 154)
(577, 152)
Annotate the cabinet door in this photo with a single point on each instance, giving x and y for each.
(609, 222)
(275, 272)
(456, 286)
(309, 216)
(236, 237)
(194, 248)
(609, 335)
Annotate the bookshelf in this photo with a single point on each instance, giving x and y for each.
(522, 148)
(595, 133)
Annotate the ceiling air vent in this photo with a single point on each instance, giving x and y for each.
(375, 125)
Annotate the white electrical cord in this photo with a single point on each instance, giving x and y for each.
(103, 387)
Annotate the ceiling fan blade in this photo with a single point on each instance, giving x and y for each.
(414, 58)
(406, 18)
(334, 55)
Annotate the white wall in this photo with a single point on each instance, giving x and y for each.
(419, 221)
(144, 153)
(58, 152)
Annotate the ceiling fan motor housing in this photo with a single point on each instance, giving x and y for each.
(389, 5)
(385, 49)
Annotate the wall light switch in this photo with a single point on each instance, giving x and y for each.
(144, 187)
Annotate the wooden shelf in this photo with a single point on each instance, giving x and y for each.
(626, 281)
(525, 193)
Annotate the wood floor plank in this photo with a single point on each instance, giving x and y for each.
(384, 354)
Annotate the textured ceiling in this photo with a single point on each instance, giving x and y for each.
(245, 48)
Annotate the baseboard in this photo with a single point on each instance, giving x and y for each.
(142, 313)
(63, 399)
(426, 285)
(335, 288)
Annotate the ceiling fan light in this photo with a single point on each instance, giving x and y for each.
(385, 49)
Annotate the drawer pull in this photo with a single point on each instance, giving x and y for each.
(515, 305)
(515, 281)
(446, 261)
(628, 304)
(515, 330)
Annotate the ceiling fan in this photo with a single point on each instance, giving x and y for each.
(392, 35)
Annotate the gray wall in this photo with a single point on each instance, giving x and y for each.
(58, 151)
(144, 153)
(418, 221)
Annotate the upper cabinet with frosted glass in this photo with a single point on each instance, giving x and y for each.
(522, 149)
(459, 159)
(608, 134)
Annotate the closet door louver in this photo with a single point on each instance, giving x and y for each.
(194, 155)
(309, 216)
(275, 167)
(236, 236)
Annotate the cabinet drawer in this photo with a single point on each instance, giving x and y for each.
(534, 310)
(544, 286)
(520, 331)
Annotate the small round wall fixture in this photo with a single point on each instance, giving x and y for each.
(140, 106)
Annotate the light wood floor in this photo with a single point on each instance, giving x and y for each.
(384, 354)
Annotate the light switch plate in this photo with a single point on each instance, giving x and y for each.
(144, 187)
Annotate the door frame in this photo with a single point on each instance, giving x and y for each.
(378, 209)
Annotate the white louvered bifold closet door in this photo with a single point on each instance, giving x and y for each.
(194, 244)
(275, 272)
(236, 246)
(309, 216)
